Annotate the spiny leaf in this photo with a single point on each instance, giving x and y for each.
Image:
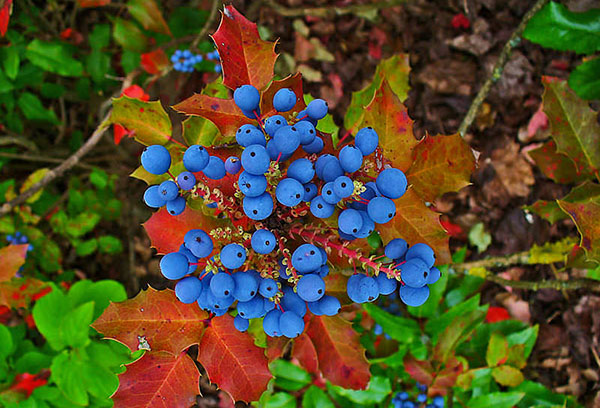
(389, 117)
(12, 257)
(224, 113)
(580, 194)
(395, 71)
(245, 58)
(341, 356)
(156, 380)
(156, 318)
(147, 13)
(556, 166)
(304, 351)
(574, 126)
(293, 82)
(232, 360)
(166, 231)
(585, 216)
(148, 120)
(417, 224)
(440, 164)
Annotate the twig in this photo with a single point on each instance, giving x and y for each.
(60, 169)
(332, 11)
(207, 24)
(498, 67)
(29, 157)
(18, 140)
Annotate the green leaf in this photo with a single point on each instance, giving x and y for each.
(435, 326)
(68, 372)
(497, 350)
(377, 391)
(456, 333)
(29, 75)
(280, 400)
(97, 64)
(5, 84)
(399, 328)
(54, 57)
(50, 90)
(32, 362)
(32, 108)
(82, 224)
(479, 237)
(48, 313)
(507, 375)
(109, 244)
(74, 327)
(496, 400)
(289, 376)
(11, 61)
(130, 60)
(556, 27)
(100, 36)
(129, 36)
(101, 293)
(186, 21)
(33, 178)
(99, 178)
(7, 342)
(110, 354)
(539, 396)
(314, 397)
(585, 80)
(527, 337)
(148, 119)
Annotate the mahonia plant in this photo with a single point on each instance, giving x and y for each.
(264, 208)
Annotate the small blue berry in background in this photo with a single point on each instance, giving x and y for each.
(185, 60)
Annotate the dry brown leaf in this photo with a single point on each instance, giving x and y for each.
(512, 170)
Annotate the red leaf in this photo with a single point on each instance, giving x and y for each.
(306, 354)
(93, 3)
(224, 113)
(119, 132)
(26, 383)
(294, 82)
(420, 370)
(17, 293)
(166, 231)
(275, 347)
(137, 92)
(5, 12)
(155, 317)
(156, 380)
(496, 314)
(341, 356)
(154, 62)
(446, 378)
(245, 58)
(232, 360)
(12, 257)
(460, 21)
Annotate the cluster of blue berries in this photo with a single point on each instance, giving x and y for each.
(273, 281)
(403, 399)
(19, 239)
(185, 60)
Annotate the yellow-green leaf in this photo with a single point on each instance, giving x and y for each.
(148, 120)
(497, 350)
(507, 375)
(33, 178)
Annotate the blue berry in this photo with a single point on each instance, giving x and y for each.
(258, 208)
(422, 388)
(396, 248)
(302, 116)
(222, 285)
(240, 323)
(363, 289)
(434, 276)
(321, 208)
(198, 242)
(186, 180)
(251, 185)
(414, 272)
(368, 226)
(268, 288)
(271, 323)
(329, 195)
(310, 192)
(350, 221)
(332, 170)
(192, 259)
(306, 258)
(391, 183)
(414, 296)
(284, 100)
(233, 256)
(263, 241)
(247, 135)
(152, 198)
(256, 160)
(366, 140)
(289, 192)
(290, 324)
(195, 158)
(215, 169)
(386, 285)
(176, 206)
(291, 301)
(311, 288)
(381, 209)
(188, 289)
(246, 286)
(233, 165)
(438, 401)
(286, 139)
(168, 190)
(307, 132)
(329, 305)
(247, 98)
(321, 162)
(317, 109)
(273, 123)
(343, 186)
(421, 398)
(316, 146)
(156, 159)
(251, 309)
(351, 158)
(423, 252)
(174, 265)
(302, 170)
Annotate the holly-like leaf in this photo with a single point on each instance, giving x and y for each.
(580, 194)
(507, 376)
(245, 58)
(153, 318)
(585, 216)
(147, 13)
(440, 164)
(304, 351)
(12, 257)
(420, 370)
(341, 356)
(224, 113)
(5, 12)
(17, 293)
(158, 379)
(232, 360)
(556, 166)
(416, 223)
(573, 124)
(395, 71)
(389, 117)
(148, 120)
(293, 82)
(166, 231)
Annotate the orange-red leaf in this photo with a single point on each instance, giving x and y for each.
(293, 82)
(389, 117)
(446, 378)
(17, 293)
(245, 58)
(420, 370)
(166, 231)
(92, 3)
(224, 113)
(155, 61)
(275, 347)
(5, 12)
(158, 380)
(341, 356)
(440, 164)
(416, 223)
(556, 166)
(233, 361)
(154, 317)
(12, 257)
(586, 216)
(306, 354)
